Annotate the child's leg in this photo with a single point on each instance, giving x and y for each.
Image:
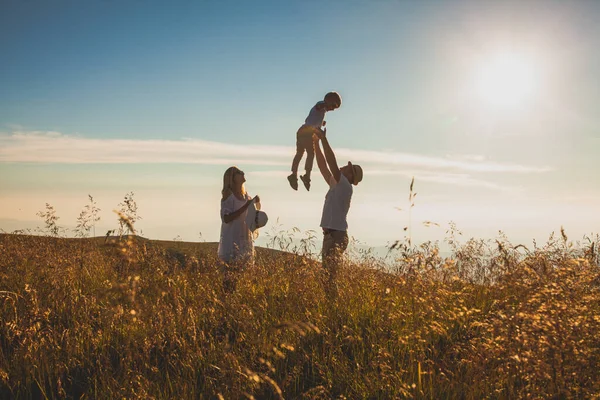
(301, 135)
(310, 157)
(293, 178)
(297, 157)
(307, 144)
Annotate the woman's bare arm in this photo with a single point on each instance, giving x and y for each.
(227, 218)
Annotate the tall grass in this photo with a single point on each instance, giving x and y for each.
(135, 319)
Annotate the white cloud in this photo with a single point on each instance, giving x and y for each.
(459, 179)
(417, 160)
(53, 147)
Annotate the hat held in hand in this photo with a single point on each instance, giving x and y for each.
(255, 218)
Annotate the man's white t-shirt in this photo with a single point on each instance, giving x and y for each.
(316, 115)
(337, 204)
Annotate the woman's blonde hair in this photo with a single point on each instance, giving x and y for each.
(228, 182)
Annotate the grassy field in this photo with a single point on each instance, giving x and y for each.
(81, 318)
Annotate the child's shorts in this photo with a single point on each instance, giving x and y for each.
(304, 136)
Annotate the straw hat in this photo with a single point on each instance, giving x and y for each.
(255, 218)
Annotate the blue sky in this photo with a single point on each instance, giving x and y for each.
(159, 98)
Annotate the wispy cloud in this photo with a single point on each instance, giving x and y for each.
(458, 179)
(54, 147)
(472, 164)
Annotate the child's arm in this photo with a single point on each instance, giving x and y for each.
(321, 163)
(329, 156)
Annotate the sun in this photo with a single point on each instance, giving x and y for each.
(506, 81)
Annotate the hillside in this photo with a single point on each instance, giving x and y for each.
(176, 251)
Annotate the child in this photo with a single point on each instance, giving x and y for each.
(304, 137)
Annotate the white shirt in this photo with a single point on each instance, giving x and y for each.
(315, 116)
(337, 204)
(235, 241)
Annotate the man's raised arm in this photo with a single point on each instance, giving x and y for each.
(321, 163)
(329, 156)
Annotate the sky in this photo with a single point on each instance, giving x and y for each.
(490, 106)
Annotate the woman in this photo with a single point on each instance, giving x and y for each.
(236, 248)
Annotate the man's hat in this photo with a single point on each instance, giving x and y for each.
(357, 173)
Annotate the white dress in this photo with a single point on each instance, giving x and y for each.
(235, 243)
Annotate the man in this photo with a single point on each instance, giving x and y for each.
(337, 204)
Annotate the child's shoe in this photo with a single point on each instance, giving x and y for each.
(306, 181)
(293, 180)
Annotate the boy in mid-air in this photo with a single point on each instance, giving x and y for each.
(304, 137)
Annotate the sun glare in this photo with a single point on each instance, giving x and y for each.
(506, 81)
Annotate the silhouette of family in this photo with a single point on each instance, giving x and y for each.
(241, 216)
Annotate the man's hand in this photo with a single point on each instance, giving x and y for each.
(321, 133)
